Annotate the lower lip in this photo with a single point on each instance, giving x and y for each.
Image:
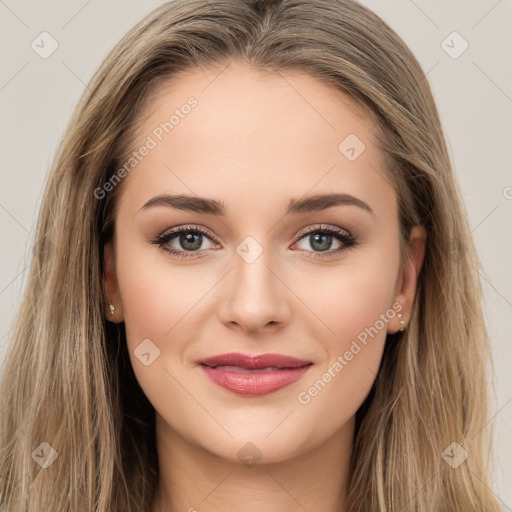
(254, 383)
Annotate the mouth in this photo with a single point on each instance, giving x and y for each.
(254, 375)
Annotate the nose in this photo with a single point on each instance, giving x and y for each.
(254, 297)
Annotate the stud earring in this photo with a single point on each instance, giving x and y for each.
(400, 316)
(111, 310)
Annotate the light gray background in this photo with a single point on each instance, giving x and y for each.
(473, 93)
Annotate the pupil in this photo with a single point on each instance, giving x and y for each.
(190, 241)
(324, 241)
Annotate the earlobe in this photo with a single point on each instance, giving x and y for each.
(114, 312)
(409, 277)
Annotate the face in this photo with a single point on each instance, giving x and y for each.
(265, 262)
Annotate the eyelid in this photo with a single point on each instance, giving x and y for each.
(209, 234)
(322, 227)
(186, 228)
(165, 237)
(348, 240)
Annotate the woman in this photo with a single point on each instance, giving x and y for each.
(254, 282)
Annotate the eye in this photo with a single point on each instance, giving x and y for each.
(321, 238)
(190, 238)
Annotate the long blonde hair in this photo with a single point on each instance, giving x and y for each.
(68, 381)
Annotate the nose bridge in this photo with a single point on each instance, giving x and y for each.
(255, 294)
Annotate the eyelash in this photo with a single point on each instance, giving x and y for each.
(341, 235)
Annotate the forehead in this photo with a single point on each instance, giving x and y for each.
(235, 131)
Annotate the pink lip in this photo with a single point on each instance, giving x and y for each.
(254, 375)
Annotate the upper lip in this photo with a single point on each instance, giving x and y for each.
(254, 362)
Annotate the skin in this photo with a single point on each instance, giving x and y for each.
(255, 141)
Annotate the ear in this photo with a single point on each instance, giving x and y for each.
(408, 278)
(110, 286)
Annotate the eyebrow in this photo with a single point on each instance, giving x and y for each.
(314, 203)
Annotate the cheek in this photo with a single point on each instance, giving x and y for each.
(358, 320)
(335, 308)
(159, 306)
(156, 297)
(357, 313)
(160, 299)
(351, 297)
(335, 393)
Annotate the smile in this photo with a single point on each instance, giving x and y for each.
(254, 375)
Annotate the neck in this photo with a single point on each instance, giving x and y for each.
(192, 479)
